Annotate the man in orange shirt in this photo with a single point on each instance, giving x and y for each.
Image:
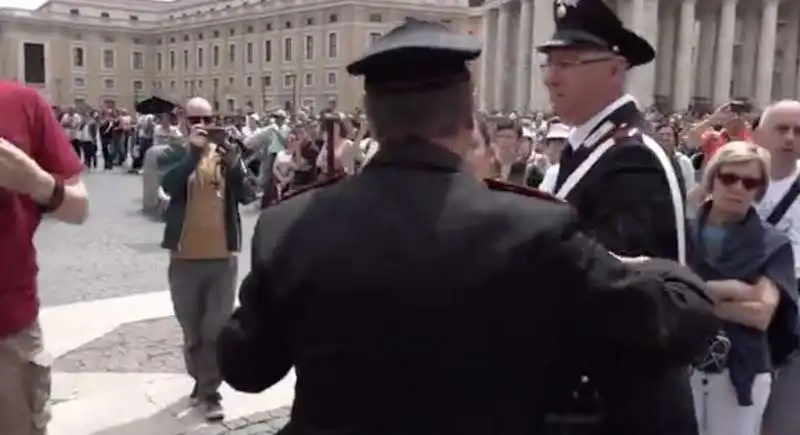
(731, 118)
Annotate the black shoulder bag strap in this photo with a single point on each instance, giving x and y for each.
(785, 202)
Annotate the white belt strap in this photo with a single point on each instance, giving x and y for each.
(669, 171)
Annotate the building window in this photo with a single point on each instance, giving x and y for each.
(200, 57)
(78, 82)
(375, 18)
(249, 29)
(333, 45)
(74, 12)
(287, 49)
(108, 58)
(266, 81)
(249, 82)
(231, 105)
(105, 15)
(134, 18)
(232, 53)
(200, 85)
(288, 80)
(267, 51)
(215, 55)
(109, 84)
(185, 60)
(159, 62)
(287, 25)
(185, 38)
(268, 27)
(309, 47)
(172, 60)
(309, 21)
(308, 81)
(138, 86)
(230, 82)
(249, 53)
(216, 33)
(374, 37)
(331, 78)
(137, 61)
(333, 18)
(78, 57)
(172, 84)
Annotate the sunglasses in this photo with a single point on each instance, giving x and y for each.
(748, 183)
(200, 119)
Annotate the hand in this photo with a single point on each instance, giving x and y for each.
(722, 114)
(198, 137)
(21, 174)
(728, 289)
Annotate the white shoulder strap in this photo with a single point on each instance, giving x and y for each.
(669, 171)
(582, 169)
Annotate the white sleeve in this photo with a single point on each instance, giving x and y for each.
(548, 183)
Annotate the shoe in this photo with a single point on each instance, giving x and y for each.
(212, 409)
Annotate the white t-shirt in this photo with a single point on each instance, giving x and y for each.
(790, 222)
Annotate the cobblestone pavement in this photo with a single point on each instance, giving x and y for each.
(115, 253)
(147, 346)
(263, 423)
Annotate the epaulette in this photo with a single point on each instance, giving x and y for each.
(326, 181)
(494, 184)
(622, 131)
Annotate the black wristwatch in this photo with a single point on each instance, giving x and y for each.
(56, 198)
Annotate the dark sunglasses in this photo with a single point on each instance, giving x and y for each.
(200, 119)
(748, 183)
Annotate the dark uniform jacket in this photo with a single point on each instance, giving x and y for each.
(624, 202)
(412, 299)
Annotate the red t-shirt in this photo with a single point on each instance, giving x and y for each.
(714, 140)
(29, 123)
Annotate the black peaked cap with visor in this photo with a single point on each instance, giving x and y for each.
(592, 25)
(416, 56)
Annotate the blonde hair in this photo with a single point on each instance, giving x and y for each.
(734, 153)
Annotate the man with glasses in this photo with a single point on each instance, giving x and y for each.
(629, 196)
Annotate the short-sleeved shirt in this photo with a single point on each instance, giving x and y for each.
(29, 123)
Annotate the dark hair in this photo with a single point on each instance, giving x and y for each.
(756, 122)
(483, 129)
(509, 124)
(675, 135)
(423, 113)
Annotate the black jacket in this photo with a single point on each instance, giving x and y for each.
(624, 202)
(411, 299)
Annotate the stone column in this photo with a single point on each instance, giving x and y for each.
(789, 67)
(765, 64)
(641, 16)
(683, 62)
(501, 59)
(523, 61)
(747, 59)
(665, 60)
(542, 30)
(485, 78)
(705, 56)
(724, 56)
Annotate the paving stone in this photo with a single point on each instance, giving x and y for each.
(148, 346)
(116, 252)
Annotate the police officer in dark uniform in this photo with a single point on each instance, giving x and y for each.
(629, 196)
(412, 299)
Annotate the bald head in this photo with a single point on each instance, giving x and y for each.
(198, 106)
(781, 109)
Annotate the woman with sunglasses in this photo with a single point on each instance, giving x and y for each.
(749, 269)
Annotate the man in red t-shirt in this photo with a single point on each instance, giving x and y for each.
(708, 140)
(39, 173)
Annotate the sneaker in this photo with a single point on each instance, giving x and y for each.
(212, 409)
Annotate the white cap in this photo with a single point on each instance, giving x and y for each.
(557, 131)
(528, 133)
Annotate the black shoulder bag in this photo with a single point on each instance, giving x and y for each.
(783, 205)
(781, 351)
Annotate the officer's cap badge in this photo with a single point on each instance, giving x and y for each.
(562, 5)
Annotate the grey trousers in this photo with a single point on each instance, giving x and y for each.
(203, 293)
(781, 416)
